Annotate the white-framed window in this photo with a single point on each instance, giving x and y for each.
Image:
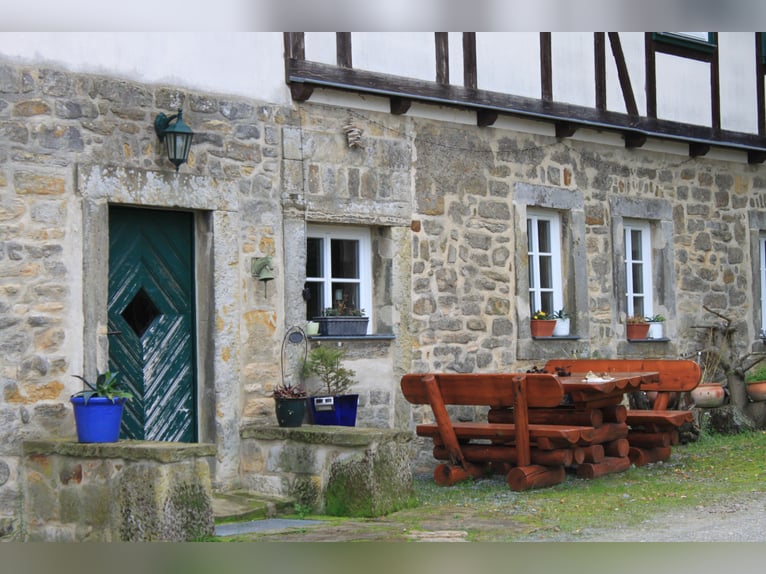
(338, 268)
(544, 261)
(638, 268)
(762, 273)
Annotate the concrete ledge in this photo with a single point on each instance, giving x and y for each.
(324, 434)
(343, 471)
(164, 452)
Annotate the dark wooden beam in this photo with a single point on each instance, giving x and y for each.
(301, 92)
(441, 40)
(400, 105)
(633, 139)
(651, 76)
(756, 156)
(343, 49)
(486, 118)
(697, 149)
(760, 71)
(683, 51)
(470, 76)
(599, 51)
(295, 45)
(622, 74)
(386, 85)
(546, 68)
(715, 88)
(565, 129)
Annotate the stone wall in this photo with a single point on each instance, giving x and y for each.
(445, 201)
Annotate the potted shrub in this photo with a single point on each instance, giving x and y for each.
(755, 379)
(335, 406)
(98, 408)
(290, 404)
(637, 328)
(542, 324)
(562, 323)
(343, 320)
(711, 392)
(656, 323)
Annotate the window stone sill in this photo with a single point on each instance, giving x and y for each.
(382, 337)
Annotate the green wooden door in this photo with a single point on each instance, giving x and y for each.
(151, 321)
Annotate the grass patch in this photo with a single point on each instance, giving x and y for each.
(714, 469)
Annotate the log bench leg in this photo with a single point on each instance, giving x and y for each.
(449, 474)
(534, 476)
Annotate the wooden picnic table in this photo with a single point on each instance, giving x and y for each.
(586, 394)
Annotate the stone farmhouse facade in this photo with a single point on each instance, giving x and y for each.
(415, 149)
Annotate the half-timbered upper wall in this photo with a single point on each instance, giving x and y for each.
(509, 63)
(248, 64)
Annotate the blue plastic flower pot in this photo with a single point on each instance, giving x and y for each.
(99, 420)
(339, 410)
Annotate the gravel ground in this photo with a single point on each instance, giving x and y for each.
(740, 520)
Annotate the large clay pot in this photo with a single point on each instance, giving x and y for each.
(708, 395)
(757, 391)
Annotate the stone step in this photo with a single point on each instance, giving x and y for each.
(238, 506)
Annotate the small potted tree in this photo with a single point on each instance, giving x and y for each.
(334, 406)
(98, 408)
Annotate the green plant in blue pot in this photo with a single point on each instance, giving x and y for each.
(98, 408)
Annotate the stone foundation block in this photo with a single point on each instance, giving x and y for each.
(343, 471)
(127, 491)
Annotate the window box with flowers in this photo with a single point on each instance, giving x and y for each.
(343, 320)
(542, 324)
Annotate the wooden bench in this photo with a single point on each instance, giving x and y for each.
(652, 432)
(532, 455)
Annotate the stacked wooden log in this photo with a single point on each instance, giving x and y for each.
(602, 449)
(652, 433)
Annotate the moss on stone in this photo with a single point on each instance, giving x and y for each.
(188, 513)
(373, 484)
(306, 491)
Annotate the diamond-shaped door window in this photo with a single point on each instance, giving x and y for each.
(140, 312)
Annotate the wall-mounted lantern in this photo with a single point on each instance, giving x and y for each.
(177, 137)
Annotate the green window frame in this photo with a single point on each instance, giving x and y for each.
(700, 41)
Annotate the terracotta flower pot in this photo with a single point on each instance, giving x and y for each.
(708, 395)
(637, 330)
(542, 327)
(757, 390)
